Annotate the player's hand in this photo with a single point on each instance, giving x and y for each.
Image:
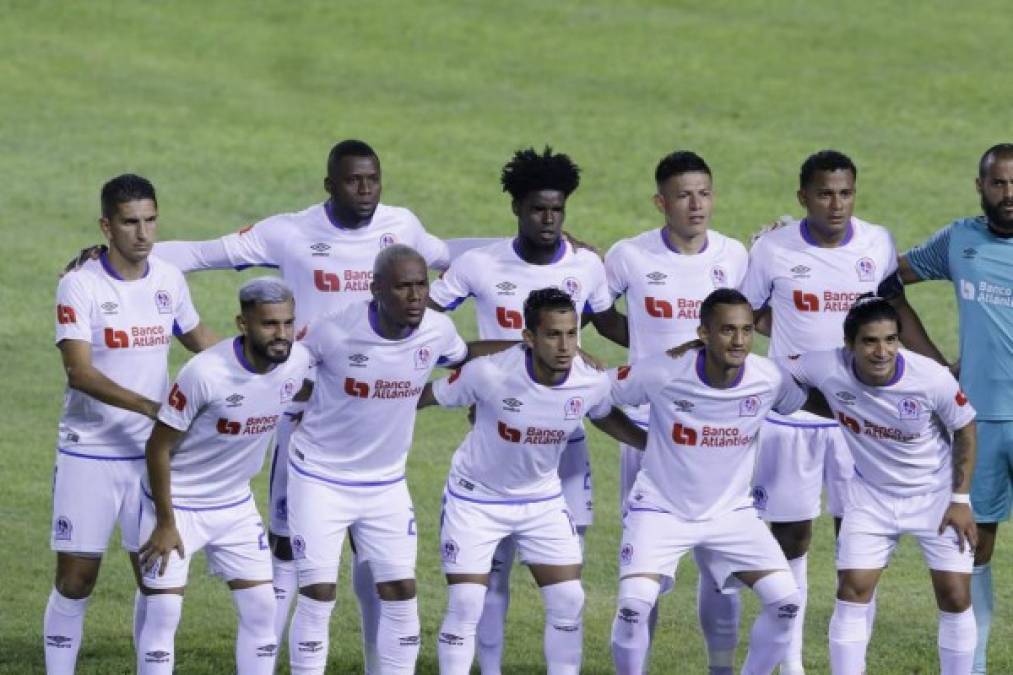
(676, 352)
(156, 551)
(590, 360)
(577, 243)
(86, 254)
(770, 227)
(960, 518)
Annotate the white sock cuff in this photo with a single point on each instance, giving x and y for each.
(985, 568)
(319, 609)
(400, 609)
(775, 587)
(639, 588)
(286, 567)
(849, 622)
(68, 606)
(385, 571)
(801, 563)
(564, 600)
(957, 631)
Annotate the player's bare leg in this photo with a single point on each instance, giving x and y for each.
(957, 634)
(563, 597)
(456, 642)
(773, 628)
(63, 623)
(794, 539)
(982, 596)
(849, 637)
(256, 641)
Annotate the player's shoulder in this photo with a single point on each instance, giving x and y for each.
(388, 216)
(299, 356)
(81, 279)
(585, 374)
(213, 361)
(585, 257)
(726, 246)
(924, 367)
(337, 324)
(438, 322)
(647, 240)
(161, 270)
(865, 230)
(481, 256)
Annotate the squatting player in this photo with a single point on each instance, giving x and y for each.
(898, 411)
(693, 488)
(504, 478)
(115, 319)
(205, 447)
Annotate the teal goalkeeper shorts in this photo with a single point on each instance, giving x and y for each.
(992, 487)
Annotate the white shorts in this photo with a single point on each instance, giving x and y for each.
(471, 529)
(277, 487)
(630, 458)
(874, 522)
(575, 475)
(381, 519)
(654, 540)
(796, 458)
(232, 537)
(90, 496)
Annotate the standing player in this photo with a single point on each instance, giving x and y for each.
(665, 275)
(898, 411)
(975, 253)
(205, 447)
(692, 491)
(504, 479)
(500, 277)
(809, 274)
(115, 319)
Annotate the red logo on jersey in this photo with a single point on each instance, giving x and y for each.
(508, 433)
(453, 376)
(228, 427)
(117, 339)
(661, 309)
(509, 318)
(176, 398)
(623, 372)
(849, 423)
(355, 388)
(806, 302)
(683, 435)
(65, 314)
(326, 281)
(960, 398)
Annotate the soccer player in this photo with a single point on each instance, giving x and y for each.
(504, 478)
(115, 319)
(500, 276)
(665, 275)
(899, 411)
(205, 447)
(808, 274)
(693, 491)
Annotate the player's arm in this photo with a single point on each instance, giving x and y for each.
(763, 321)
(86, 378)
(620, 427)
(198, 339)
(165, 537)
(913, 334)
(612, 325)
(477, 348)
(958, 514)
(816, 403)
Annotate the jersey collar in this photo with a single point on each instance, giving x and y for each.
(237, 349)
(374, 323)
(675, 249)
(897, 373)
(111, 271)
(803, 229)
(701, 371)
(556, 257)
(529, 366)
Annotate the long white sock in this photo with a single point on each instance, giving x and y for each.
(399, 636)
(62, 626)
(983, 603)
(792, 662)
(307, 636)
(456, 645)
(772, 629)
(848, 638)
(719, 615)
(492, 625)
(140, 605)
(286, 587)
(156, 653)
(870, 617)
(564, 627)
(630, 635)
(256, 642)
(957, 639)
(369, 610)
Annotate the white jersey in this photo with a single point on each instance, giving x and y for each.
(358, 424)
(521, 427)
(226, 410)
(327, 266)
(701, 441)
(899, 434)
(665, 288)
(500, 281)
(129, 325)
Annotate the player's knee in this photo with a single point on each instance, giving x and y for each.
(954, 597)
(794, 538)
(856, 590)
(321, 592)
(394, 582)
(281, 547)
(255, 607)
(779, 595)
(564, 603)
(76, 582)
(465, 603)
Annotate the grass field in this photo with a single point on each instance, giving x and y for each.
(230, 108)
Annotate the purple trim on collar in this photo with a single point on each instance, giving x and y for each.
(803, 229)
(111, 271)
(329, 210)
(556, 257)
(529, 366)
(374, 323)
(897, 373)
(237, 348)
(675, 249)
(701, 371)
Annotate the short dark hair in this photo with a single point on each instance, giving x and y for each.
(527, 171)
(722, 296)
(348, 148)
(545, 299)
(825, 160)
(867, 309)
(678, 163)
(128, 187)
(997, 150)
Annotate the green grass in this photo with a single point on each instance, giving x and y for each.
(230, 108)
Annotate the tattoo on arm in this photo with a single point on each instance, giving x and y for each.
(963, 457)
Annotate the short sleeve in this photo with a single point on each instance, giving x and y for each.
(186, 317)
(952, 406)
(790, 395)
(433, 249)
(186, 398)
(740, 263)
(603, 406)
(931, 258)
(73, 309)
(599, 298)
(890, 266)
(629, 383)
(462, 386)
(756, 285)
(454, 350)
(194, 256)
(615, 272)
(454, 285)
(257, 244)
(315, 339)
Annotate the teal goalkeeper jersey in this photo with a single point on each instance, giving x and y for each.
(980, 265)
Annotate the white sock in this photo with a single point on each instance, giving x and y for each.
(399, 636)
(62, 626)
(982, 602)
(564, 627)
(256, 642)
(156, 652)
(140, 605)
(630, 634)
(848, 638)
(870, 617)
(497, 601)
(307, 636)
(369, 609)
(286, 586)
(719, 615)
(957, 639)
(456, 645)
(772, 629)
(792, 662)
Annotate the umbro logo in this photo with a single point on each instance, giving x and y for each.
(682, 405)
(845, 397)
(267, 650)
(800, 272)
(506, 288)
(451, 639)
(320, 249)
(969, 253)
(157, 656)
(109, 307)
(58, 641)
(235, 400)
(311, 646)
(657, 278)
(358, 360)
(512, 404)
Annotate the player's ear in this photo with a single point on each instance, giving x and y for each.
(105, 226)
(515, 206)
(528, 337)
(241, 323)
(977, 184)
(702, 332)
(801, 196)
(659, 202)
(328, 185)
